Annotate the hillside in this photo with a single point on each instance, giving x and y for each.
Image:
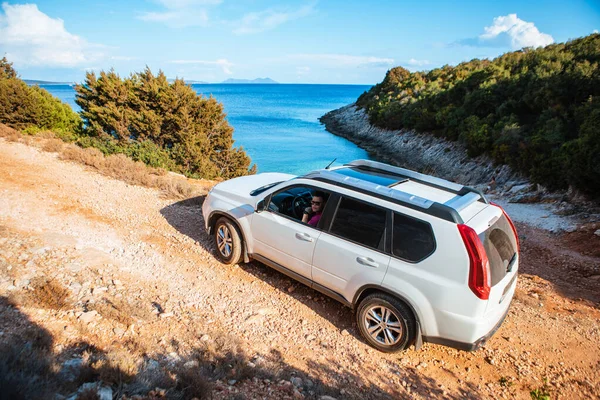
(536, 110)
(109, 286)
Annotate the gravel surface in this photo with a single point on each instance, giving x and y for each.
(137, 280)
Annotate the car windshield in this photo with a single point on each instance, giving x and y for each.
(263, 188)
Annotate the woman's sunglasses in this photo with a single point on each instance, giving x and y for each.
(316, 203)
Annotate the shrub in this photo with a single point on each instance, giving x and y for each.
(32, 108)
(160, 123)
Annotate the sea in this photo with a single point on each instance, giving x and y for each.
(277, 124)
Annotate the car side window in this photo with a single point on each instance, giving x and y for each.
(360, 222)
(412, 239)
(302, 203)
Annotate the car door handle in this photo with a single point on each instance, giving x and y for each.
(369, 262)
(304, 236)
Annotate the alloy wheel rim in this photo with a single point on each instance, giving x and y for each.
(224, 241)
(383, 325)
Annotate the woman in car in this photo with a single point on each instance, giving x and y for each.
(312, 214)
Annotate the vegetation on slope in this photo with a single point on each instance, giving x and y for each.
(537, 110)
(144, 117)
(30, 108)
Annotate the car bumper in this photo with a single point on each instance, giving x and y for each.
(467, 346)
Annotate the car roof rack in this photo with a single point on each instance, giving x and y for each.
(449, 211)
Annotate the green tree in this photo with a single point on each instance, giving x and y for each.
(145, 108)
(30, 107)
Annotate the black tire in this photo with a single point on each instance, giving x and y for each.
(395, 335)
(228, 241)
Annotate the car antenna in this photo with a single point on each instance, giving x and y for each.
(329, 165)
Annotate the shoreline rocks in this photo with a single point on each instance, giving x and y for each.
(421, 152)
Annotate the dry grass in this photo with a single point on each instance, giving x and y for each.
(116, 166)
(123, 168)
(53, 145)
(119, 310)
(46, 294)
(6, 131)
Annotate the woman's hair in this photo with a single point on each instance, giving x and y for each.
(321, 194)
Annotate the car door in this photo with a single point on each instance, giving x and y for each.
(279, 234)
(351, 251)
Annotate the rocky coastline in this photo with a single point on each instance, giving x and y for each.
(408, 149)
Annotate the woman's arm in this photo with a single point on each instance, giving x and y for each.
(306, 215)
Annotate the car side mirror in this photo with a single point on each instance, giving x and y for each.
(260, 206)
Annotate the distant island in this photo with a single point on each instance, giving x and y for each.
(189, 82)
(38, 82)
(257, 80)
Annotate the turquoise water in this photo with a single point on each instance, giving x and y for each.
(277, 125)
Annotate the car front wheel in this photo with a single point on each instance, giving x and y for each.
(385, 322)
(228, 241)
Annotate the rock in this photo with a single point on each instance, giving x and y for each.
(526, 198)
(291, 289)
(22, 284)
(345, 332)
(597, 233)
(296, 381)
(70, 369)
(105, 393)
(191, 364)
(327, 398)
(152, 365)
(205, 338)
(266, 311)
(119, 331)
(310, 337)
(231, 382)
(89, 316)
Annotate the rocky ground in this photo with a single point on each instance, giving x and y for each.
(108, 290)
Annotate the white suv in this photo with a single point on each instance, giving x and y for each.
(417, 257)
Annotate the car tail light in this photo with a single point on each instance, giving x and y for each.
(479, 271)
(511, 225)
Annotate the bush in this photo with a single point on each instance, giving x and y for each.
(160, 123)
(31, 108)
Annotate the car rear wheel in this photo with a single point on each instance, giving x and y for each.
(385, 322)
(228, 241)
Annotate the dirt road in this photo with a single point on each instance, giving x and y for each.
(105, 276)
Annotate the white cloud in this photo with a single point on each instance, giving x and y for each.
(256, 22)
(595, 31)
(520, 33)
(418, 63)
(123, 58)
(181, 13)
(222, 63)
(30, 37)
(177, 18)
(344, 60)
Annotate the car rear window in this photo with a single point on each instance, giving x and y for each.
(360, 222)
(412, 239)
(500, 245)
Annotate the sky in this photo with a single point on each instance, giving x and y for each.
(327, 41)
